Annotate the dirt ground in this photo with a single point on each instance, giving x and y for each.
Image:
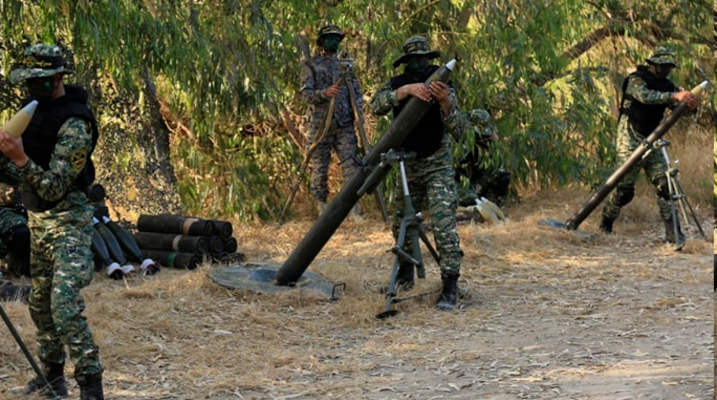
(545, 314)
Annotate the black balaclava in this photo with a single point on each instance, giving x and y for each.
(663, 70)
(39, 89)
(417, 66)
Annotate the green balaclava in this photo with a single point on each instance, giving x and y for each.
(331, 43)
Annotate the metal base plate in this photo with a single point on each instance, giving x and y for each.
(259, 277)
(554, 223)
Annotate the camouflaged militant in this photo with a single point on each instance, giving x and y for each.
(612, 181)
(341, 205)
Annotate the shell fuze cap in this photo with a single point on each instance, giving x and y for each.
(663, 55)
(329, 29)
(41, 60)
(416, 46)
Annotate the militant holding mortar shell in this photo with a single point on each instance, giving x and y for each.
(612, 181)
(341, 205)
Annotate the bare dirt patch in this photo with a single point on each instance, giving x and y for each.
(546, 314)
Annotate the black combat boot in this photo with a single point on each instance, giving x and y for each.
(90, 387)
(606, 225)
(55, 375)
(670, 232)
(449, 294)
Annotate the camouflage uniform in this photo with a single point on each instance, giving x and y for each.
(317, 74)
(14, 234)
(55, 180)
(483, 180)
(634, 127)
(9, 218)
(430, 177)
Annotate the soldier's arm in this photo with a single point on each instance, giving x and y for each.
(455, 121)
(308, 90)
(71, 153)
(384, 100)
(9, 173)
(637, 88)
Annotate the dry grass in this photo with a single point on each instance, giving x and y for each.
(531, 294)
(546, 314)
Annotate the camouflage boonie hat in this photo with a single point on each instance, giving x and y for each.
(481, 121)
(416, 46)
(663, 55)
(41, 60)
(329, 29)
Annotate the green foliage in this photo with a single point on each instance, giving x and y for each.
(715, 173)
(226, 69)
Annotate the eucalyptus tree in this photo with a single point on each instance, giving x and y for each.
(198, 99)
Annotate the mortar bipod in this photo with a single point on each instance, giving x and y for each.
(411, 228)
(678, 198)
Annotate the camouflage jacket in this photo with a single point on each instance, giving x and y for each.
(71, 152)
(9, 195)
(317, 74)
(645, 98)
(385, 100)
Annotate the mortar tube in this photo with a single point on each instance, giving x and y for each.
(339, 208)
(612, 181)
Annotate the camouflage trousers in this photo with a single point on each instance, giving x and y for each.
(61, 266)
(431, 183)
(9, 219)
(654, 165)
(342, 139)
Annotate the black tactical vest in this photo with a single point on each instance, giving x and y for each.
(644, 118)
(425, 139)
(40, 138)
